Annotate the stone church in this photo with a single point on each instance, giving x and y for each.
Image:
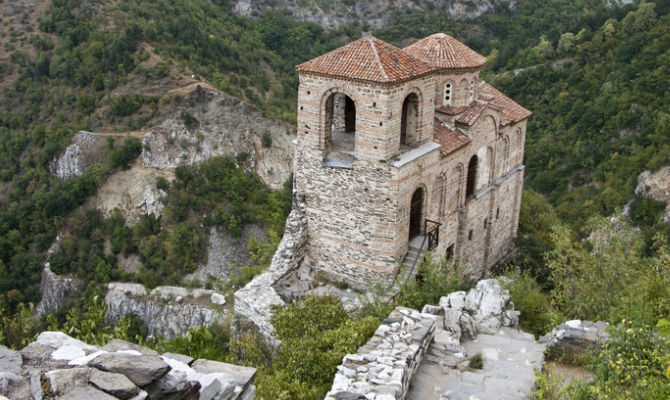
(402, 151)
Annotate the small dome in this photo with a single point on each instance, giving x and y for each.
(443, 51)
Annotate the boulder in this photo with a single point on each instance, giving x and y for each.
(178, 357)
(576, 336)
(10, 360)
(118, 344)
(14, 386)
(218, 299)
(117, 385)
(61, 381)
(86, 393)
(142, 370)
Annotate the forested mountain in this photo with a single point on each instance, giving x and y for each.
(594, 72)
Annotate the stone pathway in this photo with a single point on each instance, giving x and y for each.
(510, 358)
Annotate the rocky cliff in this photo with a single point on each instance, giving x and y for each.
(657, 186)
(166, 311)
(372, 14)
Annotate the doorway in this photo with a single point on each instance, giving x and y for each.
(415, 213)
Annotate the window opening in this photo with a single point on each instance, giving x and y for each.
(472, 177)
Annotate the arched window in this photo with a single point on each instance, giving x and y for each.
(409, 119)
(472, 176)
(340, 122)
(446, 101)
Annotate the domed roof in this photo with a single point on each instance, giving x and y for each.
(367, 59)
(443, 51)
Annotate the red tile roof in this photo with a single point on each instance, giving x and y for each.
(444, 51)
(451, 139)
(471, 115)
(451, 110)
(511, 110)
(367, 59)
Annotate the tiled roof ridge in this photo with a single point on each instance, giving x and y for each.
(379, 61)
(368, 59)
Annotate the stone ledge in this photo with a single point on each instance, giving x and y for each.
(414, 154)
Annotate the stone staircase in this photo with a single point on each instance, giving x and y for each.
(413, 251)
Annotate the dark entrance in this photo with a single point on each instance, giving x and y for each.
(349, 115)
(415, 213)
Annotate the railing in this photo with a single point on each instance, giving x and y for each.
(432, 236)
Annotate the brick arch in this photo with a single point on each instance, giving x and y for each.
(410, 136)
(323, 95)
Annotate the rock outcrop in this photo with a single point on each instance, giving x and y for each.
(57, 366)
(226, 254)
(484, 309)
(166, 311)
(371, 14)
(85, 150)
(57, 291)
(254, 302)
(657, 186)
(219, 124)
(133, 192)
(576, 336)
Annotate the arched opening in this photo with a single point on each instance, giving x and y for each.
(340, 123)
(472, 176)
(415, 213)
(409, 119)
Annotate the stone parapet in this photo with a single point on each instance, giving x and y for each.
(382, 369)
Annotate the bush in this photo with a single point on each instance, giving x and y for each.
(124, 104)
(126, 154)
(266, 139)
(645, 210)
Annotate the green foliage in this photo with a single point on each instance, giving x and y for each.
(315, 333)
(266, 140)
(645, 210)
(432, 281)
(632, 366)
(607, 277)
(127, 153)
(536, 220)
(477, 361)
(124, 104)
(189, 120)
(212, 343)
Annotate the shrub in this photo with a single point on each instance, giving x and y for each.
(126, 154)
(266, 139)
(477, 361)
(124, 104)
(645, 210)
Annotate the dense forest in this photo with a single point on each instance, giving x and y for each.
(594, 73)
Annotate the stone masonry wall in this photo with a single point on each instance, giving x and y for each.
(384, 366)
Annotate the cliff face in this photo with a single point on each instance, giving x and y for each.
(210, 123)
(374, 13)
